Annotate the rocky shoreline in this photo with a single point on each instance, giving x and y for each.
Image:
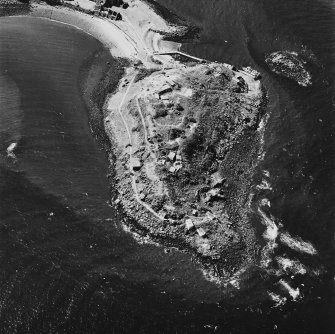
(290, 65)
(186, 31)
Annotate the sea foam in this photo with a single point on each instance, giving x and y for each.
(294, 293)
(10, 149)
(279, 300)
(297, 244)
(292, 266)
(270, 234)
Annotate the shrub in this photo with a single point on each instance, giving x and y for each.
(160, 113)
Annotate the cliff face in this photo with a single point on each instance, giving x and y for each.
(185, 141)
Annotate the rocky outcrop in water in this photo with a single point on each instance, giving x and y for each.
(290, 65)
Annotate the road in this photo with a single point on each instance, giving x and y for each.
(145, 205)
(180, 53)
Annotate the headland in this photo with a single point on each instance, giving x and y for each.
(184, 136)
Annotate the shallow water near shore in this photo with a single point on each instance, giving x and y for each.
(66, 263)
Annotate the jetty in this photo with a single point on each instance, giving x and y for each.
(200, 60)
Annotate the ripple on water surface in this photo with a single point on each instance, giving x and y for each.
(66, 262)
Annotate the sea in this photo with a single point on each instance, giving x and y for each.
(68, 265)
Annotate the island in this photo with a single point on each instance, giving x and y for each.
(184, 140)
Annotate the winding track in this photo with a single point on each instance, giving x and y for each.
(142, 119)
(145, 205)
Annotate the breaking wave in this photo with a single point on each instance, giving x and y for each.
(274, 263)
(277, 299)
(270, 234)
(10, 150)
(291, 266)
(297, 244)
(294, 293)
(265, 185)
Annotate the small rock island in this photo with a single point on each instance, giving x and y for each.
(290, 65)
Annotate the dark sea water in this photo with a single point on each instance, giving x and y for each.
(299, 135)
(66, 265)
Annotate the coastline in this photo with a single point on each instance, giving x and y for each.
(98, 78)
(98, 75)
(135, 41)
(291, 293)
(103, 31)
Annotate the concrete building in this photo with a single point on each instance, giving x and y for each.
(109, 3)
(177, 165)
(136, 164)
(172, 170)
(55, 2)
(172, 156)
(231, 67)
(189, 224)
(170, 82)
(202, 233)
(255, 74)
(165, 89)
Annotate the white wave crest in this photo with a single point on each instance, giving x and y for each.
(235, 283)
(142, 240)
(271, 231)
(264, 185)
(270, 234)
(10, 149)
(266, 173)
(261, 130)
(294, 293)
(209, 276)
(279, 300)
(261, 126)
(297, 244)
(293, 266)
(265, 202)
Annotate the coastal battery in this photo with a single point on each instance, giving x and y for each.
(203, 128)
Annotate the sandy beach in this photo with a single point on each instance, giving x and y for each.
(133, 37)
(109, 34)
